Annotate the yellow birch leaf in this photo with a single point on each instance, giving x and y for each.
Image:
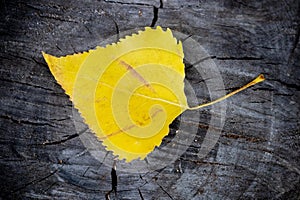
(129, 92)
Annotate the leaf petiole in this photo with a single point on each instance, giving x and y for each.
(258, 79)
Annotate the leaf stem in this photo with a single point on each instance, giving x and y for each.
(258, 79)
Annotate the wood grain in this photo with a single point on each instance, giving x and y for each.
(257, 155)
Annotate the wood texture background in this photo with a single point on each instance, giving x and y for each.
(257, 155)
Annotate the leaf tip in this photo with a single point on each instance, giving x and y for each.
(44, 54)
(47, 57)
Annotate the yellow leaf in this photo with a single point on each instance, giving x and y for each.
(129, 92)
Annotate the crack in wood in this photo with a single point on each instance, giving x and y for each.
(288, 85)
(27, 84)
(249, 139)
(202, 162)
(66, 139)
(155, 13)
(238, 58)
(115, 23)
(15, 56)
(165, 191)
(35, 181)
(127, 3)
(155, 16)
(140, 193)
(23, 121)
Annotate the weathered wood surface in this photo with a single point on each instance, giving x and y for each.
(257, 155)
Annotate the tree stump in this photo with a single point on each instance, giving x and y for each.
(257, 154)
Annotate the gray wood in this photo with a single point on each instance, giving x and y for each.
(257, 155)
